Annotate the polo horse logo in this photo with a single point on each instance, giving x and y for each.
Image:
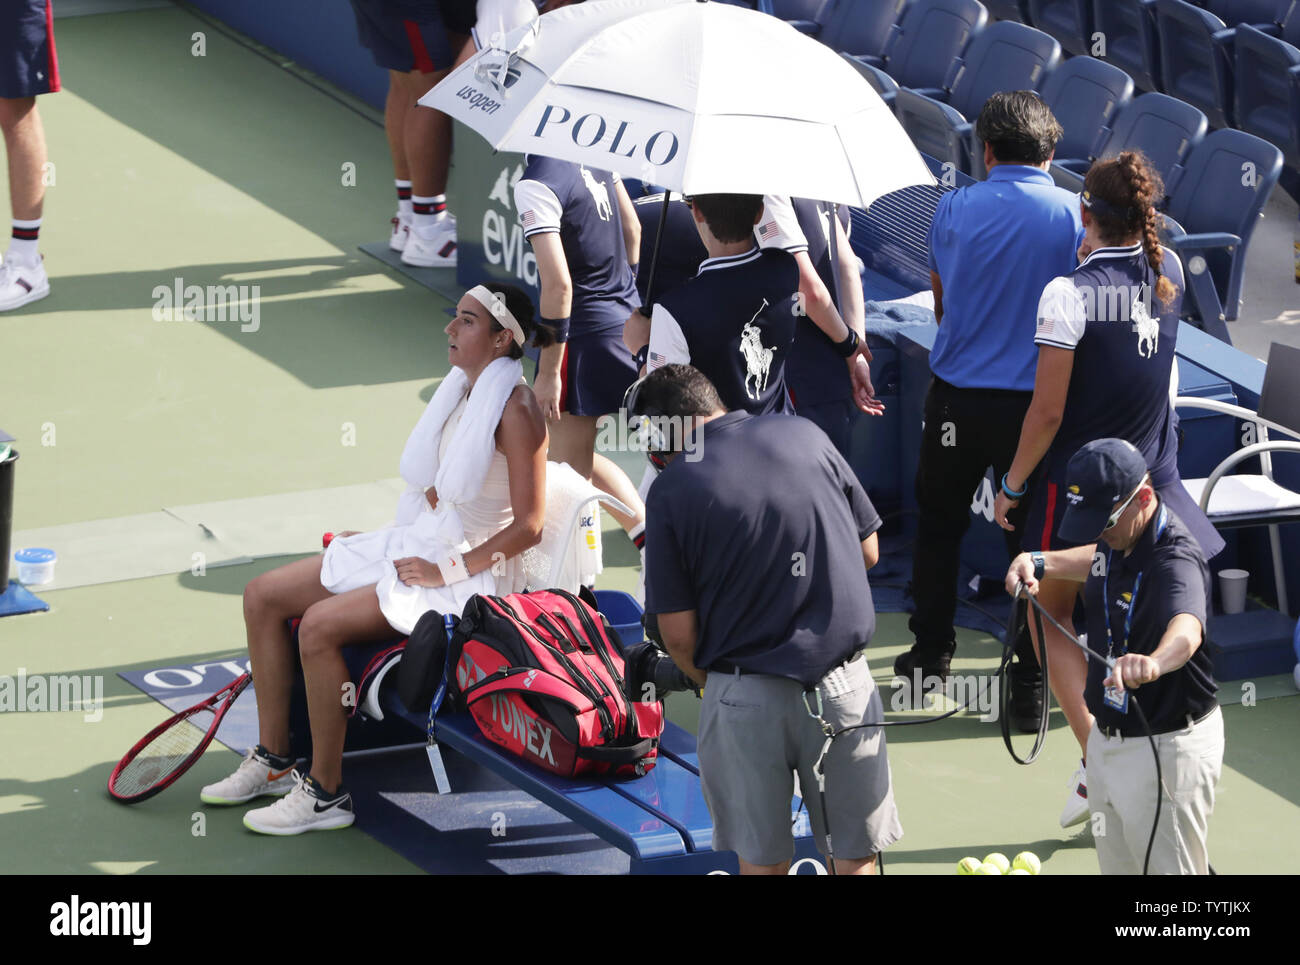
(758, 360)
(1147, 328)
(599, 194)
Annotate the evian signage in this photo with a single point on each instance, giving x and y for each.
(503, 236)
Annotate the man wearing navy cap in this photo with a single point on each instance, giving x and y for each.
(1145, 593)
(758, 541)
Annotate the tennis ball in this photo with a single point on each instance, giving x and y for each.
(1018, 871)
(1028, 862)
(999, 860)
(967, 866)
(987, 869)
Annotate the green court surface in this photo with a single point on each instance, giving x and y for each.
(229, 170)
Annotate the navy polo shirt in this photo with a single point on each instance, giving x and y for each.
(680, 251)
(734, 321)
(1163, 576)
(581, 204)
(1123, 338)
(995, 245)
(762, 537)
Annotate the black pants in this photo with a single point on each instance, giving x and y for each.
(966, 431)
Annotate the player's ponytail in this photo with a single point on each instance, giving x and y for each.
(1121, 194)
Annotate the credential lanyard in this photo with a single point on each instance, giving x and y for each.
(434, 751)
(1133, 597)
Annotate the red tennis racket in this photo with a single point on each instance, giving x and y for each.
(168, 751)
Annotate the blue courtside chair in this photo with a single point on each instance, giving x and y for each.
(862, 28)
(1196, 58)
(806, 16)
(1163, 128)
(1128, 32)
(923, 46)
(1069, 21)
(1003, 56)
(1268, 96)
(1014, 10)
(1085, 94)
(1212, 213)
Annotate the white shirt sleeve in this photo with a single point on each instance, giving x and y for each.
(1062, 315)
(539, 209)
(667, 341)
(778, 227)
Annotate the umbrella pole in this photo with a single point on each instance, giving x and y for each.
(835, 260)
(654, 256)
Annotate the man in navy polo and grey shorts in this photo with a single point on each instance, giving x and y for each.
(28, 67)
(770, 619)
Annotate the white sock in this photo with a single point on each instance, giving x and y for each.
(23, 244)
(427, 212)
(403, 200)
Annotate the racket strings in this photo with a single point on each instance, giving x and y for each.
(164, 754)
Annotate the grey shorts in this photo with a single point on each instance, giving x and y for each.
(755, 733)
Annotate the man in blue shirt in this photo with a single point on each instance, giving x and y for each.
(758, 542)
(994, 246)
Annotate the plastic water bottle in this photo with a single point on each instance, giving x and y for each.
(589, 562)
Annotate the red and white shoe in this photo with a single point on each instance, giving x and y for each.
(435, 250)
(21, 284)
(401, 232)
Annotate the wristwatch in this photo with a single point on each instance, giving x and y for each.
(1040, 565)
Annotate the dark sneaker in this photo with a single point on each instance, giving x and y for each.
(1026, 696)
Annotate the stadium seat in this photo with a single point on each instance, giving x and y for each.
(1163, 128)
(1014, 10)
(1268, 90)
(1234, 12)
(923, 46)
(1127, 29)
(1004, 56)
(1212, 213)
(806, 16)
(1085, 94)
(1195, 58)
(862, 28)
(1069, 21)
(1290, 24)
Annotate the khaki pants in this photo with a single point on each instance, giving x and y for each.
(1122, 798)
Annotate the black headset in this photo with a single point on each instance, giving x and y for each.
(645, 418)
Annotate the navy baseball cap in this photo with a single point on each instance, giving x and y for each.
(1101, 474)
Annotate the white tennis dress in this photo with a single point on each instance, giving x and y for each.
(366, 559)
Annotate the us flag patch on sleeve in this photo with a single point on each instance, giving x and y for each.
(767, 230)
(528, 218)
(1046, 325)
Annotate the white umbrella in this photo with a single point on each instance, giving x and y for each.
(697, 96)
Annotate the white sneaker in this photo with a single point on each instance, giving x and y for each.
(257, 775)
(1076, 806)
(21, 284)
(401, 232)
(436, 250)
(306, 808)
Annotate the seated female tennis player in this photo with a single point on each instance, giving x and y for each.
(475, 469)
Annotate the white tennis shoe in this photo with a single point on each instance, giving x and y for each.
(21, 284)
(305, 808)
(436, 250)
(1076, 805)
(255, 776)
(401, 232)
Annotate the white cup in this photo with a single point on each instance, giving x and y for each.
(1232, 590)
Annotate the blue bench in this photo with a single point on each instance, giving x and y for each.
(660, 820)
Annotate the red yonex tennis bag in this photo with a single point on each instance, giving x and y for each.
(543, 679)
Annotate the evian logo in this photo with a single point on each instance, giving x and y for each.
(503, 236)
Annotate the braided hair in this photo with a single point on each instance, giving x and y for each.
(1121, 195)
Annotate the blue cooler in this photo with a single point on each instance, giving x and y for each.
(623, 613)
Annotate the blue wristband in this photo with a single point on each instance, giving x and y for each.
(558, 326)
(1011, 493)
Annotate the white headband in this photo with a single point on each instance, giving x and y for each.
(496, 307)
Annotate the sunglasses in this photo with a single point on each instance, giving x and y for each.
(1114, 517)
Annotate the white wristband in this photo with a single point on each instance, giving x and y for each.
(453, 569)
